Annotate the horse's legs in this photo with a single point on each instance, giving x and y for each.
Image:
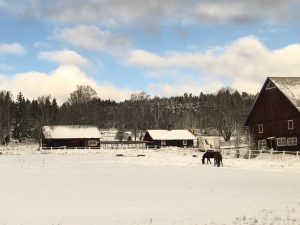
(208, 160)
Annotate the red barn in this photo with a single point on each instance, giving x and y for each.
(160, 138)
(72, 136)
(274, 120)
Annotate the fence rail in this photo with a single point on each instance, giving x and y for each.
(229, 153)
(254, 153)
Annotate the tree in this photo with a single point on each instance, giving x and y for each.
(225, 119)
(78, 107)
(5, 116)
(21, 123)
(43, 113)
(83, 94)
(120, 135)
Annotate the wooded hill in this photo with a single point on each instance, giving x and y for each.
(219, 113)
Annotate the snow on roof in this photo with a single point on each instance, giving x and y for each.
(74, 131)
(171, 135)
(290, 87)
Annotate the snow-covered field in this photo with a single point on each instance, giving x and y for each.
(162, 188)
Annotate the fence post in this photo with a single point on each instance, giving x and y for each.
(249, 156)
(283, 153)
(297, 153)
(260, 152)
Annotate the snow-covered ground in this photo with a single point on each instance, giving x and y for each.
(162, 188)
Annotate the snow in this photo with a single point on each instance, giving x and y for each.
(108, 134)
(290, 86)
(171, 135)
(89, 187)
(75, 131)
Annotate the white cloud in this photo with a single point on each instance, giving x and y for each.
(59, 84)
(64, 57)
(94, 39)
(12, 49)
(246, 60)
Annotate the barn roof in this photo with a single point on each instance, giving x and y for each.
(290, 87)
(69, 132)
(171, 135)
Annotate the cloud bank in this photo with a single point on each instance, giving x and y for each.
(244, 63)
(63, 57)
(59, 84)
(120, 12)
(92, 38)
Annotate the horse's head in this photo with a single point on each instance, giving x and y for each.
(203, 160)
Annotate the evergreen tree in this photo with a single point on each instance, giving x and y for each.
(21, 123)
(5, 116)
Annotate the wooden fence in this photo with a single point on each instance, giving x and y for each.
(227, 153)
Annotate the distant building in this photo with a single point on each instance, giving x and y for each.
(274, 120)
(161, 138)
(71, 136)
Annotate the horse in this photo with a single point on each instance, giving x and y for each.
(218, 159)
(215, 155)
(207, 156)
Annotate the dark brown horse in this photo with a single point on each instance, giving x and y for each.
(218, 159)
(215, 155)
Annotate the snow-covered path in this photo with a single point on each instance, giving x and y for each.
(88, 189)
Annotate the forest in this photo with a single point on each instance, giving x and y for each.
(221, 113)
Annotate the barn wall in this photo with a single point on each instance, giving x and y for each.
(176, 143)
(147, 137)
(72, 143)
(273, 110)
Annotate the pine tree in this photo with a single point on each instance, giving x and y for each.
(21, 123)
(5, 116)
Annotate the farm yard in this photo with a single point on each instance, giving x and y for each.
(167, 186)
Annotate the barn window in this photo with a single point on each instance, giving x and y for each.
(290, 124)
(163, 142)
(184, 142)
(281, 141)
(270, 85)
(291, 141)
(260, 128)
(92, 143)
(261, 144)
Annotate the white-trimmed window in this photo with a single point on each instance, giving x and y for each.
(290, 124)
(260, 128)
(184, 142)
(163, 142)
(92, 143)
(281, 141)
(261, 144)
(291, 141)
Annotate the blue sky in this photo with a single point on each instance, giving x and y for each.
(164, 48)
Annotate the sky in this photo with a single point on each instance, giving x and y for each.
(164, 48)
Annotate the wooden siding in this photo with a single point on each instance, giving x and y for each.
(72, 143)
(273, 110)
(177, 143)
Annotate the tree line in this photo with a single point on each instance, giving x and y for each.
(219, 114)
